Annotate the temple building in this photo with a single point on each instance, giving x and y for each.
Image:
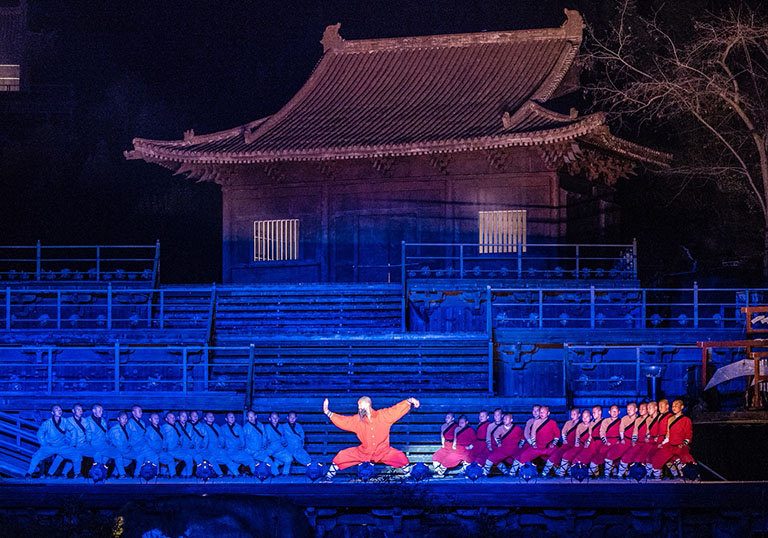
(433, 139)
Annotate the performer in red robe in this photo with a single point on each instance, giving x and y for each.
(609, 436)
(567, 439)
(490, 432)
(447, 435)
(372, 429)
(646, 445)
(505, 442)
(617, 450)
(658, 433)
(582, 440)
(457, 452)
(674, 449)
(542, 443)
(639, 439)
(478, 448)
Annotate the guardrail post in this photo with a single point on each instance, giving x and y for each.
(634, 258)
(50, 370)
(249, 384)
(637, 371)
(519, 262)
(695, 305)
(643, 311)
(566, 379)
(8, 308)
(461, 261)
(117, 367)
(592, 307)
(490, 364)
(162, 309)
(156, 265)
(184, 369)
(578, 262)
(205, 366)
(58, 310)
(541, 308)
(488, 312)
(98, 264)
(404, 298)
(109, 305)
(38, 254)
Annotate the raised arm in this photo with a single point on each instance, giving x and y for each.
(398, 411)
(343, 422)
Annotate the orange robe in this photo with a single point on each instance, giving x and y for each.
(373, 434)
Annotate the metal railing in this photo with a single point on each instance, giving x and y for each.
(619, 308)
(277, 367)
(107, 307)
(536, 261)
(120, 264)
(599, 375)
(17, 434)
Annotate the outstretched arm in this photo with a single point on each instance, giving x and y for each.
(346, 423)
(398, 411)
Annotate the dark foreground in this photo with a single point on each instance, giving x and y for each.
(388, 507)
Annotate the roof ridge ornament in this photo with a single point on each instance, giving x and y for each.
(189, 134)
(331, 38)
(573, 25)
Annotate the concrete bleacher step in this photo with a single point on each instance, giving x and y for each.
(336, 365)
(307, 308)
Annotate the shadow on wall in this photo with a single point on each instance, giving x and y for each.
(202, 517)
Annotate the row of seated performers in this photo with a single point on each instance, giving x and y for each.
(181, 440)
(648, 434)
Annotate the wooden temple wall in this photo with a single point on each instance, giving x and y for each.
(354, 214)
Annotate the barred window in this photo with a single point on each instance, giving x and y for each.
(502, 231)
(275, 240)
(9, 77)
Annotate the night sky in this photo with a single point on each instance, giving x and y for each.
(154, 69)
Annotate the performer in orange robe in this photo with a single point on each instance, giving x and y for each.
(372, 429)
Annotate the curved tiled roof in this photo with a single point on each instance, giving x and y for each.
(407, 96)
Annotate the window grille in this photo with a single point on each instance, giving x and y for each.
(9, 77)
(502, 231)
(275, 240)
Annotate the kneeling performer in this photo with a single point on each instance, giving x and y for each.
(372, 429)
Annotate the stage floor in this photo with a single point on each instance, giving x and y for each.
(391, 492)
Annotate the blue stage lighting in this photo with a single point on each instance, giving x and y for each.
(263, 471)
(580, 471)
(474, 471)
(315, 471)
(420, 472)
(691, 472)
(528, 472)
(148, 471)
(98, 472)
(365, 471)
(637, 471)
(205, 471)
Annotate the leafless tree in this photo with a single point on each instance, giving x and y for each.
(711, 81)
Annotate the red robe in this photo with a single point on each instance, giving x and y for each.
(568, 437)
(581, 451)
(609, 436)
(545, 433)
(373, 434)
(479, 452)
(638, 440)
(658, 432)
(454, 456)
(509, 440)
(448, 435)
(679, 436)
